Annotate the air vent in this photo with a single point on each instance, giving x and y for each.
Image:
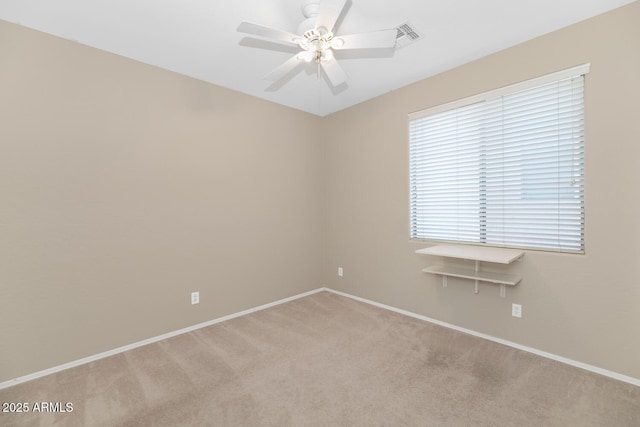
(406, 34)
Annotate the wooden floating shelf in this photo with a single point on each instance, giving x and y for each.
(474, 253)
(485, 276)
(477, 254)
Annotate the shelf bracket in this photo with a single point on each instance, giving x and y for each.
(477, 270)
(444, 281)
(503, 291)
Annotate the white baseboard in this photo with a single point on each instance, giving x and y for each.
(586, 367)
(591, 368)
(108, 353)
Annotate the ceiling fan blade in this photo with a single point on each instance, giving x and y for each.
(383, 39)
(334, 72)
(329, 12)
(283, 69)
(267, 32)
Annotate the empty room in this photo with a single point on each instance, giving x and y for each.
(319, 212)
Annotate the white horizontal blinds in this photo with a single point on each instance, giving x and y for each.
(506, 171)
(445, 175)
(535, 163)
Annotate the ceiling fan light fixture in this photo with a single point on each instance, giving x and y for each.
(316, 39)
(307, 56)
(306, 45)
(336, 43)
(326, 55)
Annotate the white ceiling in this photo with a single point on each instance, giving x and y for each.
(198, 38)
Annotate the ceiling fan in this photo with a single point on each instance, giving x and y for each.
(318, 41)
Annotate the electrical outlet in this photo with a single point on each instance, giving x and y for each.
(516, 310)
(195, 297)
(340, 272)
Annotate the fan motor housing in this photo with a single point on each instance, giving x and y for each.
(310, 10)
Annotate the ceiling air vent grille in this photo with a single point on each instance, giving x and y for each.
(406, 34)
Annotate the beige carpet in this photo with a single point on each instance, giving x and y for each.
(326, 360)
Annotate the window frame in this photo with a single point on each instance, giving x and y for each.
(581, 70)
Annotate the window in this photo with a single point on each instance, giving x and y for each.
(505, 168)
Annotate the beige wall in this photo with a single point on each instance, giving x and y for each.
(583, 307)
(125, 187)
